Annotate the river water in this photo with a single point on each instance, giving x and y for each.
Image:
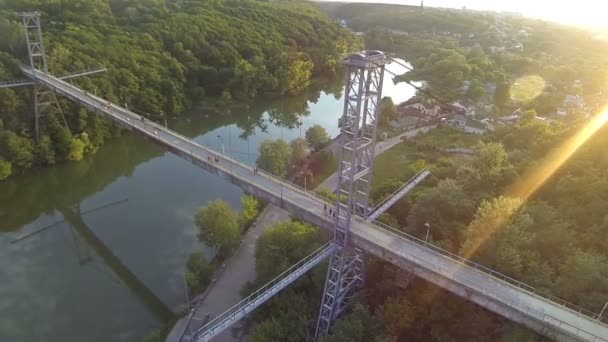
(111, 234)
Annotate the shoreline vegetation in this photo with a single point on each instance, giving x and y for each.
(161, 58)
(549, 240)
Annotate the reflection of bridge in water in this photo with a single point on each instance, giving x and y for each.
(489, 289)
(73, 217)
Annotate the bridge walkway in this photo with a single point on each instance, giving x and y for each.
(491, 290)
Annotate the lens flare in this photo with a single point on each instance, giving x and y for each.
(526, 88)
(530, 182)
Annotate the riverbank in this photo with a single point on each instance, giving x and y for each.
(240, 268)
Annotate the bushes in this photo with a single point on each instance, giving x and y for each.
(198, 272)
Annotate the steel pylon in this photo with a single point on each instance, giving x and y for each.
(365, 75)
(44, 97)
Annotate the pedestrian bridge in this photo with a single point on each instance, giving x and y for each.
(507, 297)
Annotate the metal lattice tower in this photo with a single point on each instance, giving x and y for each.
(365, 75)
(44, 97)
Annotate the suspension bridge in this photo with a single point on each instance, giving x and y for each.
(355, 232)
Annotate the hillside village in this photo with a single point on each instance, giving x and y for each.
(473, 107)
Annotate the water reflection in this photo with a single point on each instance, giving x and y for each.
(47, 295)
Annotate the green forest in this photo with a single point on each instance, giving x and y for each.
(162, 57)
(500, 205)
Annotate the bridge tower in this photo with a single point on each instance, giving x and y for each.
(365, 75)
(44, 97)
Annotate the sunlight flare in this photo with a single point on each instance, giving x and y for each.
(529, 183)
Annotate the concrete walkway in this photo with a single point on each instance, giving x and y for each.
(238, 270)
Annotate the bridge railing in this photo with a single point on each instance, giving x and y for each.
(387, 198)
(543, 316)
(586, 312)
(220, 322)
(460, 259)
(285, 183)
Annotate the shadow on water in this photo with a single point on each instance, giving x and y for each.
(29, 200)
(74, 218)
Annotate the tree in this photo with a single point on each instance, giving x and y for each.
(275, 157)
(5, 168)
(76, 149)
(283, 245)
(387, 111)
(476, 90)
(491, 217)
(502, 94)
(269, 330)
(198, 272)
(291, 311)
(218, 226)
(584, 279)
(299, 148)
(490, 169)
(447, 208)
(317, 136)
(357, 326)
(18, 150)
(45, 152)
(250, 209)
(396, 315)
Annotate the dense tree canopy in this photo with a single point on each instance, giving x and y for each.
(161, 56)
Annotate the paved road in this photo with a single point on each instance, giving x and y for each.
(487, 289)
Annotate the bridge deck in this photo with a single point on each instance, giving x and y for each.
(489, 289)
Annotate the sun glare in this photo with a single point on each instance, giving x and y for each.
(527, 88)
(532, 180)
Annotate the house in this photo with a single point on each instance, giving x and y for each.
(522, 34)
(561, 111)
(466, 124)
(420, 110)
(577, 84)
(487, 122)
(496, 49)
(509, 119)
(465, 86)
(458, 107)
(405, 122)
(517, 47)
(573, 101)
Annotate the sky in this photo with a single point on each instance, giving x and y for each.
(587, 13)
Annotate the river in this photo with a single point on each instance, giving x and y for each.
(118, 227)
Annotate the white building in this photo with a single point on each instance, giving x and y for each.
(466, 124)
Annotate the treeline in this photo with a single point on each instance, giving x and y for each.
(555, 240)
(162, 56)
(448, 47)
